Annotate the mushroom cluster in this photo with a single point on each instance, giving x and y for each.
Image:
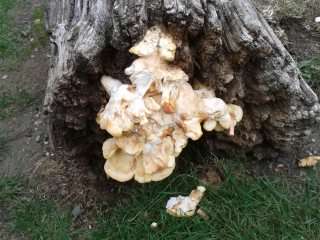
(152, 119)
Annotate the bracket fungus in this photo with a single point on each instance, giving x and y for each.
(152, 118)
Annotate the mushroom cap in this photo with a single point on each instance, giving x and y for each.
(172, 74)
(131, 144)
(114, 129)
(151, 104)
(214, 107)
(120, 166)
(136, 111)
(209, 125)
(140, 174)
(162, 174)
(192, 128)
(158, 155)
(111, 85)
(226, 121)
(149, 44)
(236, 112)
(142, 81)
(170, 93)
(180, 140)
(137, 66)
(187, 103)
(109, 148)
(167, 47)
(116, 125)
(156, 163)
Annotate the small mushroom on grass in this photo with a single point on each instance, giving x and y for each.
(185, 206)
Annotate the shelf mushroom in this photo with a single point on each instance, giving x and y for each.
(151, 119)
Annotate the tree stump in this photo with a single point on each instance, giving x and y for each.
(227, 44)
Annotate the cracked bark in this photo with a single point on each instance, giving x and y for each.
(227, 44)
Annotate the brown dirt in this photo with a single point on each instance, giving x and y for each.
(23, 128)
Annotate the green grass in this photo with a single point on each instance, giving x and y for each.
(311, 72)
(240, 208)
(14, 47)
(10, 189)
(40, 219)
(11, 103)
(31, 215)
(3, 145)
(38, 28)
(8, 39)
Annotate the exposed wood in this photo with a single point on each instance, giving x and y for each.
(226, 44)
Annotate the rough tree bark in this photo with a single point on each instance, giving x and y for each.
(227, 44)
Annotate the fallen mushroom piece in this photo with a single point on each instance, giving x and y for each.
(185, 206)
(120, 166)
(203, 214)
(309, 161)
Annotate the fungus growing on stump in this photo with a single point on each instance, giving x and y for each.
(227, 45)
(152, 119)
